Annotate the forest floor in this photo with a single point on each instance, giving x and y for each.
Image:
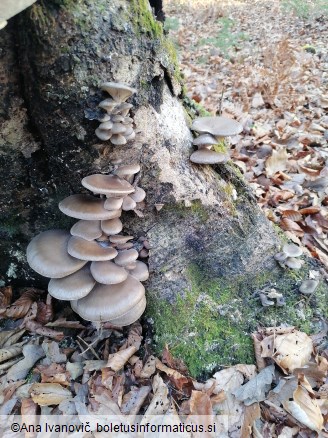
(265, 64)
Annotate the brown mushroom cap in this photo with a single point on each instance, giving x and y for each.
(120, 239)
(129, 169)
(93, 251)
(217, 126)
(110, 185)
(112, 226)
(86, 207)
(205, 139)
(119, 92)
(132, 315)
(88, 230)
(47, 255)
(106, 302)
(113, 203)
(140, 272)
(108, 272)
(72, 287)
(205, 156)
(125, 257)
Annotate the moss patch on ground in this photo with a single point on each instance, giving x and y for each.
(209, 325)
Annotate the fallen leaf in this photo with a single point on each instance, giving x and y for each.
(304, 407)
(6, 294)
(160, 402)
(21, 306)
(149, 368)
(255, 389)
(117, 360)
(252, 413)
(10, 352)
(45, 311)
(289, 351)
(45, 394)
(36, 327)
(32, 353)
(134, 399)
(277, 162)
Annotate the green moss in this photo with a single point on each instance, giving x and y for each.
(209, 325)
(196, 208)
(194, 109)
(143, 19)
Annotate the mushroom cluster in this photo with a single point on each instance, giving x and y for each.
(116, 125)
(94, 266)
(290, 256)
(212, 130)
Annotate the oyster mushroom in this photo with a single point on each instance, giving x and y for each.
(86, 207)
(119, 92)
(110, 185)
(308, 286)
(72, 287)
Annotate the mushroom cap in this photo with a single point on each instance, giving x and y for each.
(107, 104)
(106, 125)
(205, 139)
(118, 128)
(109, 301)
(108, 272)
(88, 230)
(119, 92)
(140, 272)
(292, 250)
(85, 207)
(293, 263)
(138, 195)
(118, 139)
(126, 257)
(128, 204)
(205, 156)
(113, 203)
(103, 134)
(129, 169)
(72, 287)
(120, 239)
(130, 137)
(112, 226)
(123, 108)
(86, 250)
(47, 255)
(217, 126)
(110, 185)
(132, 315)
(308, 286)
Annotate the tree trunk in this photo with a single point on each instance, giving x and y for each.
(209, 252)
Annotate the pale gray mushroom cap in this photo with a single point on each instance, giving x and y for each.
(293, 263)
(205, 139)
(90, 251)
(102, 134)
(106, 302)
(205, 156)
(110, 185)
(123, 108)
(86, 207)
(138, 195)
(112, 226)
(128, 204)
(118, 139)
(47, 255)
(217, 126)
(140, 272)
(118, 128)
(292, 250)
(127, 170)
(72, 287)
(108, 272)
(113, 203)
(126, 257)
(130, 137)
(120, 239)
(132, 315)
(88, 230)
(119, 92)
(107, 104)
(106, 125)
(308, 286)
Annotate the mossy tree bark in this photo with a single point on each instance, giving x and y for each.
(209, 252)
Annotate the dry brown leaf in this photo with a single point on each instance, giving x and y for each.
(293, 215)
(160, 402)
(252, 413)
(289, 225)
(32, 353)
(260, 362)
(169, 371)
(149, 368)
(5, 298)
(45, 311)
(28, 413)
(53, 373)
(47, 394)
(133, 400)
(10, 390)
(309, 210)
(289, 351)
(304, 407)
(277, 162)
(62, 322)
(201, 412)
(10, 352)
(176, 364)
(36, 327)
(21, 306)
(11, 337)
(117, 360)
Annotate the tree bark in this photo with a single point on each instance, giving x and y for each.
(209, 252)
